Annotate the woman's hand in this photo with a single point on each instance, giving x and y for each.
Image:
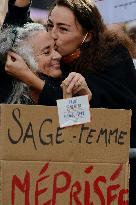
(17, 67)
(76, 84)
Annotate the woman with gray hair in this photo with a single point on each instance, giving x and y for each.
(16, 39)
(20, 40)
(33, 54)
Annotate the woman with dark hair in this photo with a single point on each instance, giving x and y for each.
(89, 48)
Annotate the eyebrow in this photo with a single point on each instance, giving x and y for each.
(59, 24)
(44, 48)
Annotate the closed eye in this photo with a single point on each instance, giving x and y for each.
(49, 26)
(47, 52)
(63, 29)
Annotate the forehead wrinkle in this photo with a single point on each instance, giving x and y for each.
(46, 43)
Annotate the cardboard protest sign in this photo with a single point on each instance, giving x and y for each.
(33, 133)
(52, 183)
(117, 11)
(43, 164)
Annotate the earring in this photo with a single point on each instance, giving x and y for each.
(70, 58)
(84, 38)
(76, 54)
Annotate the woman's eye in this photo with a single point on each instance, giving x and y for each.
(49, 26)
(63, 29)
(46, 52)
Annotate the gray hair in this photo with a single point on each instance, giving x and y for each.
(17, 39)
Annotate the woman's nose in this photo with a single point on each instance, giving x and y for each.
(56, 55)
(54, 33)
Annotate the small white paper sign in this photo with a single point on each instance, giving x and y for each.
(73, 111)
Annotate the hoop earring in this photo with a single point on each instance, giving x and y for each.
(76, 54)
(84, 38)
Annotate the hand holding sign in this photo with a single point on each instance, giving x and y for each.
(73, 111)
(75, 84)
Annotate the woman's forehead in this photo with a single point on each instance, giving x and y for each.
(42, 40)
(62, 14)
(42, 36)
